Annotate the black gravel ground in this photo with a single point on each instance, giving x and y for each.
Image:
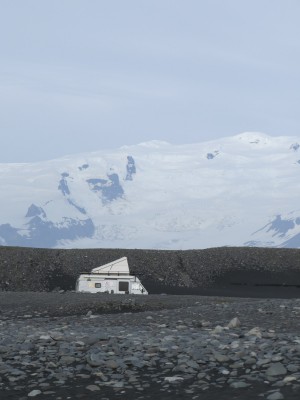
(36, 310)
(28, 305)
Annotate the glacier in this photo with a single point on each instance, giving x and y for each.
(241, 190)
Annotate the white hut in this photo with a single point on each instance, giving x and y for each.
(113, 277)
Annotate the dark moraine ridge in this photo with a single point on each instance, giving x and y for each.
(234, 271)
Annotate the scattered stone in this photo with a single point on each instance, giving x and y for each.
(34, 393)
(93, 388)
(234, 323)
(289, 379)
(218, 329)
(254, 332)
(275, 396)
(239, 385)
(276, 369)
(67, 360)
(172, 379)
(292, 368)
(45, 337)
(112, 364)
(221, 357)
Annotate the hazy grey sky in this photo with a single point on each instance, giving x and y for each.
(83, 75)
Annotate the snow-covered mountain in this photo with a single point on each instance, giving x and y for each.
(241, 190)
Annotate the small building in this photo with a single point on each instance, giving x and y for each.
(113, 277)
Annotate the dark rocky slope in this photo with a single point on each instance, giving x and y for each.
(233, 271)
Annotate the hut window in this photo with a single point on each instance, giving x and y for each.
(97, 285)
(123, 286)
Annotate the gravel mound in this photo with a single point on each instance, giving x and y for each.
(262, 272)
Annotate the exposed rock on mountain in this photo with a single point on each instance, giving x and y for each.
(130, 168)
(63, 185)
(210, 156)
(43, 233)
(83, 167)
(295, 146)
(280, 226)
(80, 209)
(34, 211)
(109, 189)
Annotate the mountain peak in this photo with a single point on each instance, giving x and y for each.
(253, 137)
(155, 144)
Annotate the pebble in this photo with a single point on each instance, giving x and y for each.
(93, 388)
(275, 396)
(34, 393)
(234, 323)
(276, 369)
(239, 385)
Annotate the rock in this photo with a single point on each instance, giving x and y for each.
(263, 361)
(275, 396)
(94, 359)
(67, 360)
(292, 368)
(118, 385)
(205, 324)
(250, 361)
(277, 358)
(34, 393)
(276, 369)
(290, 378)
(217, 329)
(221, 357)
(192, 364)
(3, 349)
(254, 332)
(225, 371)
(93, 388)
(237, 365)
(173, 379)
(239, 385)
(235, 344)
(57, 336)
(45, 337)
(112, 364)
(234, 323)
(94, 338)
